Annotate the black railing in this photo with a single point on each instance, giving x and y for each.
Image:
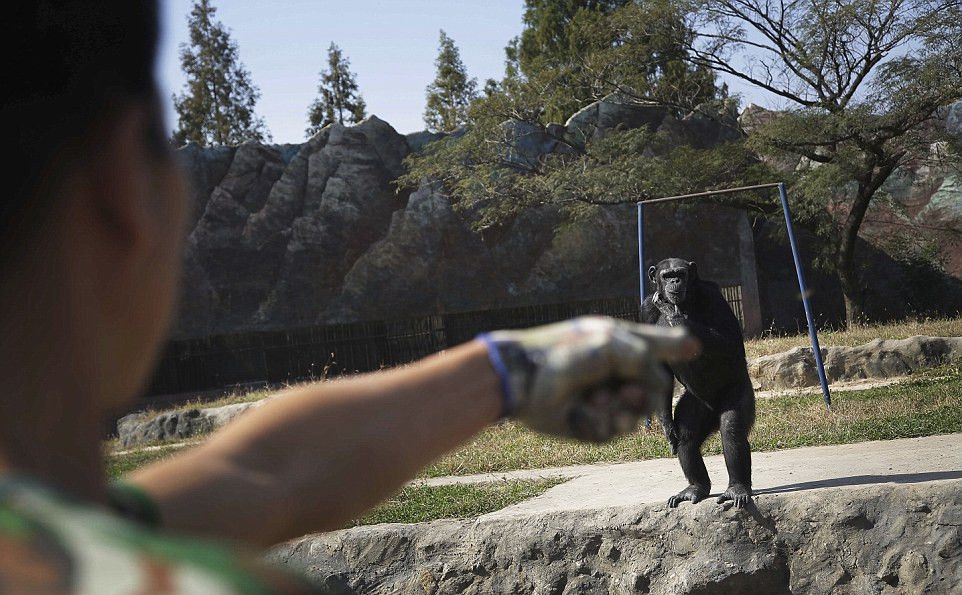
(277, 357)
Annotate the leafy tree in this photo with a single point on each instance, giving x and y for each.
(452, 92)
(339, 99)
(864, 82)
(556, 35)
(551, 31)
(218, 100)
(488, 173)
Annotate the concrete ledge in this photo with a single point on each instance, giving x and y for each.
(815, 530)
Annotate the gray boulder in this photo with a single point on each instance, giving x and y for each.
(205, 168)
(614, 112)
(418, 140)
(529, 143)
(143, 428)
(876, 359)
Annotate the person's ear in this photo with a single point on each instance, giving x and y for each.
(652, 271)
(118, 175)
(692, 271)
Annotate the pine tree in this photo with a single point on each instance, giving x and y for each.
(551, 33)
(338, 100)
(218, 100)
(452, 92)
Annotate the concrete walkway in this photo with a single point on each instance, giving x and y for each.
(595, 487)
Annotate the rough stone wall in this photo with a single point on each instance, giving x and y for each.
(296, 235)
(874, 540)
(315, 233)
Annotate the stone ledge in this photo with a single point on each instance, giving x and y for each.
(877, 539)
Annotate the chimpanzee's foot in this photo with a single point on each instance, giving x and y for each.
(693, 494)
(738, 494)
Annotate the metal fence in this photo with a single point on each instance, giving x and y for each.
(733, 295)
(224, 361)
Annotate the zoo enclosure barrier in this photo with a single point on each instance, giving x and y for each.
(242, 360)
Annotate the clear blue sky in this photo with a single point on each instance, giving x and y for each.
(391, 45)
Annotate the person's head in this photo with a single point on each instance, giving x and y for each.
(91, 224)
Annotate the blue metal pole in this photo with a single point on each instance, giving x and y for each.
(641, 273)
(812, 334)
(641, 253)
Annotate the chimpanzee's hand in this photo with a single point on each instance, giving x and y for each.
(588, 378)
(670, 311)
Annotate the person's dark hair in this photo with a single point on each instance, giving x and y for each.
(70, 63)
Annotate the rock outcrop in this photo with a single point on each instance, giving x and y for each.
(297, 235)
(289, 236)
(876, 359)
(869, 540)
(137, 429)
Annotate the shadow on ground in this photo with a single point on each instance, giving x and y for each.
(857, 480)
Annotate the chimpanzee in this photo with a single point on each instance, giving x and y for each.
(718, 392)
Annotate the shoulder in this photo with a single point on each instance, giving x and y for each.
(710, 292)
(708, 286)
(59, 545)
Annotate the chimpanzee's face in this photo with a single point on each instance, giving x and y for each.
(672, 277)
(674, 285)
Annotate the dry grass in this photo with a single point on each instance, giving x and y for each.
(937, 327)
(927, 405)
(940, 327)
(921, 407)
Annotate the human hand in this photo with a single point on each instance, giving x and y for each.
(589, 378)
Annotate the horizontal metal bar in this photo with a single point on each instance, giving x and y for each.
(708, 193)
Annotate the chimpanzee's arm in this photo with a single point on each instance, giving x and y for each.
(650, 314)
(663, 410)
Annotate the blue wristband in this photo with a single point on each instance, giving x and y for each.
(494, 356)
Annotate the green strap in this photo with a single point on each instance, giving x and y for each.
(132, 503)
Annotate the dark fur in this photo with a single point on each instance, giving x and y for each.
(718, 391)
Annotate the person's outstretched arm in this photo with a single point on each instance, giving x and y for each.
(324, 453)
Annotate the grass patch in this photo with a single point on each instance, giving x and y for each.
(940, 327)
(927, 405)
(413, 504)
(228, 399)
(857, 335)
(417, 504)
(920, 407)
(118, 465)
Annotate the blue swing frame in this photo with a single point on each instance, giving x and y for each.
(783, 195)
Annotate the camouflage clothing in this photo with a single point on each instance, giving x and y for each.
(51, 544)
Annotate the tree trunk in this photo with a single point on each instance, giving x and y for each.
(848, 276)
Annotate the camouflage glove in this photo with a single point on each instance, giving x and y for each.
(589, 378)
